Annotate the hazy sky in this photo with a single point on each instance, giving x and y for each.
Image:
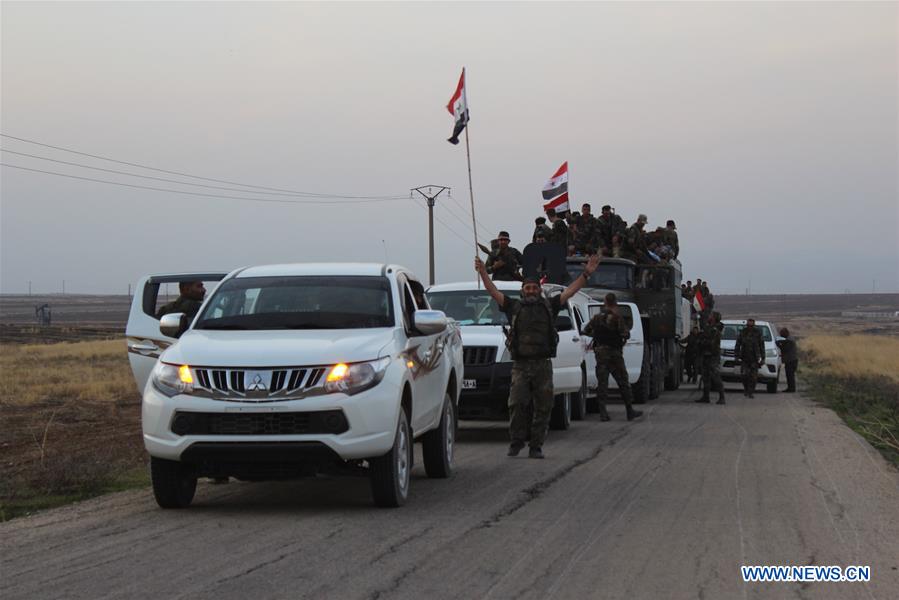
(767, 131)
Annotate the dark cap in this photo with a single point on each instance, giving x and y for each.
(503, 235)
(540, 220)
(606, 207)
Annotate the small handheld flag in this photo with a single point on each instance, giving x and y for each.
(556, 190)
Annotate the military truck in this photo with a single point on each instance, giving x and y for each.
(664, 313)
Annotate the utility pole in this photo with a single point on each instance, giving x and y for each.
(129, 291)
(29, 287)
(63, 287)
(431, 197)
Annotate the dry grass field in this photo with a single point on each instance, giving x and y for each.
(69, 422)
(856, 355)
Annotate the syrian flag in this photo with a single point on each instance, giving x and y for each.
(458, 107)
(699, 301)
(556, 190)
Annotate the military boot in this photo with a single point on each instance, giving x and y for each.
(633, 414)
(720, 397)
(603, 413)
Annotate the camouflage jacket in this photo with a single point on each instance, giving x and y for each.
(181, 304)
(750, 345)
(710, 340)
(560, 233)
(511, 259)
(607, 329)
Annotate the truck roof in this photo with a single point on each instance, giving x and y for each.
(320, 269)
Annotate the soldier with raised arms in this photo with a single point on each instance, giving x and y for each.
(532, 343)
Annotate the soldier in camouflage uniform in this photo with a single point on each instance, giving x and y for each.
(189, 300)
(635, 241)
(607, 225)
(585, 240)
(750, 351)
(541, 228)
(532, 343)
(505, 262)
(609, 333)
(559, 229)
(710, 350)
(671, 238)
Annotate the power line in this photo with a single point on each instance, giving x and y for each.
(202, 185)
(483, 229)
(131, 164)
(156, 189)
(442, 222)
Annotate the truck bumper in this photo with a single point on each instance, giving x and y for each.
(489, 400)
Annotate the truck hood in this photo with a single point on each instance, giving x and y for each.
(278, 348)
(483, 335)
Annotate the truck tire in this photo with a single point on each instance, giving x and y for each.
(579, 399)
(390, 474)
(640, 390)
(560, 420)
(174, 483)
(672, 377)
(656, 376)
(438, 444)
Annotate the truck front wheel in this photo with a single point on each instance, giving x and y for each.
(174, 483)
(560, 419)
(391, 473)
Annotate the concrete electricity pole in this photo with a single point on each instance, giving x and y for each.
(431, 198)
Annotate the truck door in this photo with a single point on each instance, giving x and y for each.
(426, 353)
(569, 354)
(145, 342)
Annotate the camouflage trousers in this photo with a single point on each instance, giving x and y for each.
(750, 371)
(610, 361)
(530, 401)
(711, 374)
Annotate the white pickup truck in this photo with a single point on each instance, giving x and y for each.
(488, 365)
(288, 369)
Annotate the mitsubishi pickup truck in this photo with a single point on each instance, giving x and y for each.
(287, 370)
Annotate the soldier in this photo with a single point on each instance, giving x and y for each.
(692, 357)
(504, 263)
(710, 349)
(635, 241)
(750, 352)
(532, 342)
(610, 332)
(189, 300)
(540, 226)
(671, 238)
(607, 225)
(585, 242)
(559, 228)
(790, 355)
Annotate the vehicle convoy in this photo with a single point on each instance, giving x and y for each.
(769, 373)
(291, 369)
(664, 315)
(488, 363)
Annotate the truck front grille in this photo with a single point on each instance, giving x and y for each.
(478, 355)
(258, 385)
(268, 423)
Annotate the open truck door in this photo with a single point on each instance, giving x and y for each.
(145, 341)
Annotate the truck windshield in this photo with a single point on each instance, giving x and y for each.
(472, 307)
(732, 332)
(258, 303)
(611, 276)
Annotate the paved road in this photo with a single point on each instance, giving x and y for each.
(668, 507)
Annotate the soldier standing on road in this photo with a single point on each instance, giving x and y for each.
(532, 342)
(710, 349)
(609, 333)
(790, 355)
(692, 356)
(750, 351)
(505, 262)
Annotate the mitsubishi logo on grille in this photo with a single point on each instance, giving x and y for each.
(253, 382)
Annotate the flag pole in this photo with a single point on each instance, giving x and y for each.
(474, 227)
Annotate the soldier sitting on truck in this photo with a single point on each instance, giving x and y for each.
(504, 262)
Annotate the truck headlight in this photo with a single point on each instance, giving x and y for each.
(506, 356)
(353, 378)
(771, 353)
(172, 379)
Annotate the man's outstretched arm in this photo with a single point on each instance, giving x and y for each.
(488, 283)
(578, 283)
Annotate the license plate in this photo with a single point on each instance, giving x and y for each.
(469, 384)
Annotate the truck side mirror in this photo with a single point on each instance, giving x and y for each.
(429, 322)
(170, 324)
(563, 323)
